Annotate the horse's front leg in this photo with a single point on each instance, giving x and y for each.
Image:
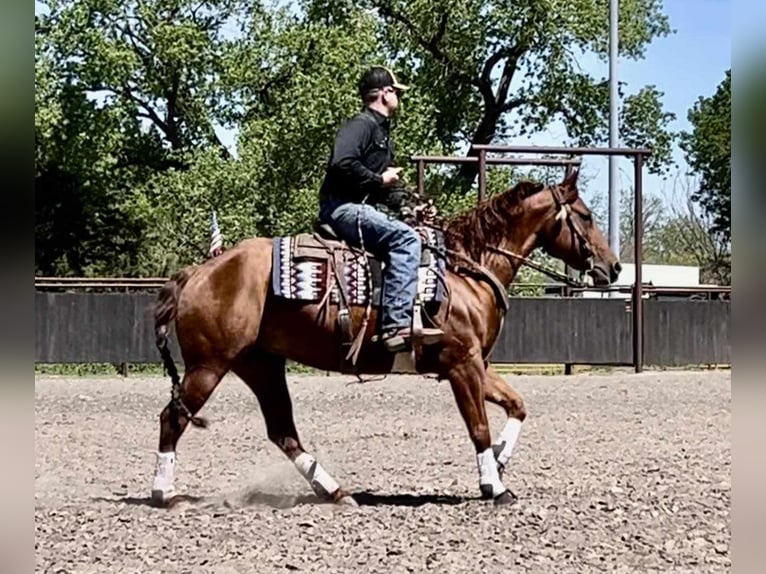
(467, 381)
(499, 392)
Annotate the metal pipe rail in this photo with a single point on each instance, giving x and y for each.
(709, 291)
(495, 160)
(99, 282)
(637, 154)
(626, 151)
(423, 160)
(67, 280)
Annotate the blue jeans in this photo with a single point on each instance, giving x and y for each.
(391, 241)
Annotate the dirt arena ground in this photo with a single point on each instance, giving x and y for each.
(618, 473)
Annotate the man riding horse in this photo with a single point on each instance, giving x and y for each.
(229, 317)
(359, 176)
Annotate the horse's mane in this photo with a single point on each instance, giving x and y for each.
(487, 224)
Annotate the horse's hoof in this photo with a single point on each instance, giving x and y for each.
(505, 499)
(160, 498)
(486, 491)
(343, 498)
(347, 500)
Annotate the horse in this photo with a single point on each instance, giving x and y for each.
(228, 318)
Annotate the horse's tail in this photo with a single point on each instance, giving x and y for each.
(164, 316)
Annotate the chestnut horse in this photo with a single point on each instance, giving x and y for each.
(228, 319)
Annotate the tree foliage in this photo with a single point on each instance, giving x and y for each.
(708, 152)
(675, 232)
(88, 158)
(499, 69)
(132, 98)
(158, 60)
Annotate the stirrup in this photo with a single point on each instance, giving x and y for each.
(401, 339)
(394, 341)
(419, 334)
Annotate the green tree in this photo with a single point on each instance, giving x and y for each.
(675, 232)
(88, 158)
(655, 218)
(290, 83)
(692, 235)
(708, 152)
(130, 94)
(498, 69)
(126, 93)
(158, 59)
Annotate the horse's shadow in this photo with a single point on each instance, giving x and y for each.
(148, 501)
(409, 500)
(285, 501)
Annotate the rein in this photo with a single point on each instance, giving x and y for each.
(564, 213)
(552, 273)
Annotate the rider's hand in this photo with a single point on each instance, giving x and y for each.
(391, 176)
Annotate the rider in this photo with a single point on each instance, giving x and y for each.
(359, 175)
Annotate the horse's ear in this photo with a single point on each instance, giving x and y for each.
(569, 187)
(527, 188)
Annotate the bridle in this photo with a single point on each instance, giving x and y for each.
(564, 213)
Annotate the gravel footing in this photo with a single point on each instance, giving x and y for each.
(618, 473)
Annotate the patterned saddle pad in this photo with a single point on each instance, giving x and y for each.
(302, 270)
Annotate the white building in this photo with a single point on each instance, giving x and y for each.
(656, 275)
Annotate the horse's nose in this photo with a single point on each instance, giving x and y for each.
(615, 271)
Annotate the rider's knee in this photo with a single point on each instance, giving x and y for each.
(415, 244)
(412, 237)
(406, 242)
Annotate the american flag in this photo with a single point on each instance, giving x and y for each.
(216, 243)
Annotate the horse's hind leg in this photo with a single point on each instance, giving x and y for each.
(265, 375)
(197, 386)
(499, 392)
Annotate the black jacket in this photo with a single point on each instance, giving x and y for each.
(362, 151)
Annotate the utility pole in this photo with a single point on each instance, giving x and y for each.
(614, 138)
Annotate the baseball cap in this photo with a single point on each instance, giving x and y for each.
(379, 77)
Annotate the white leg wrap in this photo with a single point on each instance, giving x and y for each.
(321, 482)
(507, 440)
(488, 476)
(164, 475)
